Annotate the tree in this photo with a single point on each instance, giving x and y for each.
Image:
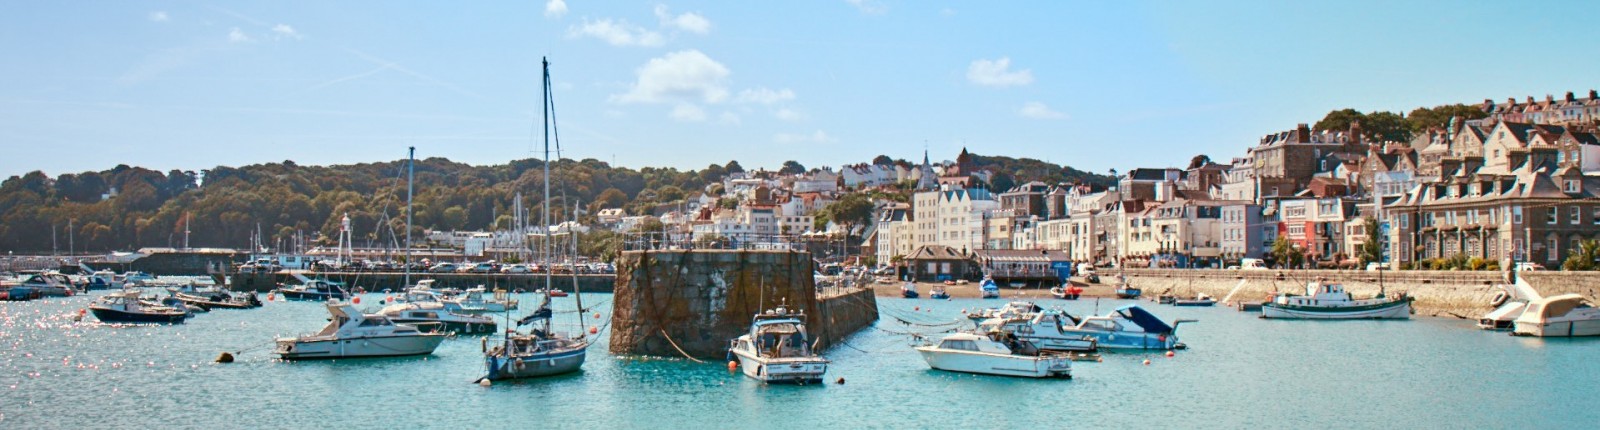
(1339, 120)
(455, 218)
(1587, 257)
(792, 167)
(1422, 119)
(851, 211)
(611, 198)
(1287, 254)
(1386, 127)
(882, 160)
(1372, 249)
(1198, 161)
(733, 167)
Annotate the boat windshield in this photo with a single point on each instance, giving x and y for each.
(782, 340)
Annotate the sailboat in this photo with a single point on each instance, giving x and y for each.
(540, 351)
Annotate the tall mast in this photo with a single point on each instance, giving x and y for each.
(545, 225)
(411, 172)
(577, 293)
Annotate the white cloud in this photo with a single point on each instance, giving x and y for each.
(868, 6)
(678, 76)
(158, 16)
(765, 96)
(617, 33)
(997, 73)
(555, 8)
(284, 30)
(688, 21)
(789, 115)
(237, 36)
(688, 112)
(818, 136)
(1037, 110)
(728, 118)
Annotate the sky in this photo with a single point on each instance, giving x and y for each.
(1094, 85)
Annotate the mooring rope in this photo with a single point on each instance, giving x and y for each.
(675, 346)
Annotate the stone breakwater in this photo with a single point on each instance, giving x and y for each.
(1460, 294)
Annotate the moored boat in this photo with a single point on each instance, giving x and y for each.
(126, 307)
(777, 349)
(1129, 327)
(1565, 315)
(1066, 292)
(938, 293)
(424, 308)
(1509, 303)
(352, 334)
(987, 289)
(473, 301)
(210, 297)
(1331, 301)
(314, 290)
(983, 354)
(909, 290)
(1046, 330)
(1199, 300)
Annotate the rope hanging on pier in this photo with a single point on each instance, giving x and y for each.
(675, 346)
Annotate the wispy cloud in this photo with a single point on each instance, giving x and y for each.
(236, 35)
(688, 112)
(415, 74)
(555, 8)
(678, 76)
(285, 31)
(818, 136)
(616, 33)
(869, 7)
(997, 73)
(159, 16)
(688, 21)
(789, 115)
(765, 96)
(1037, 110)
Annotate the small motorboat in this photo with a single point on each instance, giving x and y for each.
(425, 309)
(1508, 303)
(777, 349)
(1066, 292)
(1199, 300)
(554, 293)
(909, 290)
(1046, 330)
(983, 354)
(314, 290)
(938, 293)
(1015, 309)
(211, 297)
(1566, 315)
(987, 289)
(473, 301)
(49, 284)
(352, 334)
(1166, 299)
(1126, 290)
(1129, 327)
(1331, 301)
(126, 307)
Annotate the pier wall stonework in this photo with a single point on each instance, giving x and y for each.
(841, 315)
(699, 300)
(1462, 294)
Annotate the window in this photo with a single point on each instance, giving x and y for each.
(1550, 251)
(1574, 219)
(1572, 186)
(1550, 215)
(1516, 217)
(1594, 215)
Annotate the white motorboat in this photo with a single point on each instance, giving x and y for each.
(1508, 303)
(126, 307)
(473, 301)
(778, 350)
(1128, 327)
(425, 309)
(987, 289)
(1330, 301)
(49, 284)
(1047, 330)
(352, 334)
(1566, 315)
(1014, 309)
(981, 354)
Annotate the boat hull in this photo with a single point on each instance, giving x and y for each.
(1130, 340)
(782, 371)
(116, 316)
(460, 327)
(1194, 303)
(1398, 309)
(996, 364)
(1574, 328)
(534, 366)
(362, 347)
(311, 296)
(1129, 293)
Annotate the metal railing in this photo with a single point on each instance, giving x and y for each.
(685, 241)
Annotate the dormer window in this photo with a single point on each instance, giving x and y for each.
(1572, 185)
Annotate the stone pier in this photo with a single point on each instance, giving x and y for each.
(263, 282)
(702, 299)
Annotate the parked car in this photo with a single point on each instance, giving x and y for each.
(1252, 264)
(485, 267)
(443, 268)
(1528, 266)
(516, 268)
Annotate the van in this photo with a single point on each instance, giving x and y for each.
(1252, 264)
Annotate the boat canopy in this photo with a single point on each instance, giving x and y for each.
(1540, 311)
(1144, 319)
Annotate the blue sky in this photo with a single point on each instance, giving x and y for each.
(1095, 85)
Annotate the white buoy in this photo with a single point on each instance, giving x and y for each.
(484, 382)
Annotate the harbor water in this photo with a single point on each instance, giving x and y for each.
(1239, 371)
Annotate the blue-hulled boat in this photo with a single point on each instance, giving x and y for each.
(320, 290)
(126, 307)
(988, 289)
(1129, 327)
(909, 290)
(938, 293)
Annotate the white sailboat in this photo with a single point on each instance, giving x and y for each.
(540, 351)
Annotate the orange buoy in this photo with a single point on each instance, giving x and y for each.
(918, 308)
(269, 297)
(596, 315)
(1147, 362)
(1171, 354)
(356, 300)
(594, 330)
(733, 365)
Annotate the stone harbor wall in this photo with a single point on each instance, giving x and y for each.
(700, 300)
(262, 282)
(1462, 294)
(841, 315)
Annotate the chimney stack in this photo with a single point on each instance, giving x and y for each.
(1549, 98)
(1511, 101)
(1592, 95)
(1570, 98)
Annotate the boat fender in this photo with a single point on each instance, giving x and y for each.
(840, 381)
(1499, 298)
(519, 364)
(733, 365)
(225, 357)
(483, 345)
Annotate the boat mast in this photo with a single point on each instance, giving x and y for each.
(577, 293)
(411, 172)
(545, 226)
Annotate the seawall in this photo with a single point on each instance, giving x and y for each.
(1463, 294)
(672, 303)
(262, 282)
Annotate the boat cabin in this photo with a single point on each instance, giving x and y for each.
(972, 342)
(779, 333)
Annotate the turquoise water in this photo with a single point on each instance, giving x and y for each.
(1240, 371)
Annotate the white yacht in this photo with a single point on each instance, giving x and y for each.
(425, 309)
(1565, 315)
(125, 306)
(981, 354)
(1331, 302)
(1046, 330)
(1508, 303)
(473, 301)
(778, 350)
(352, 334)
